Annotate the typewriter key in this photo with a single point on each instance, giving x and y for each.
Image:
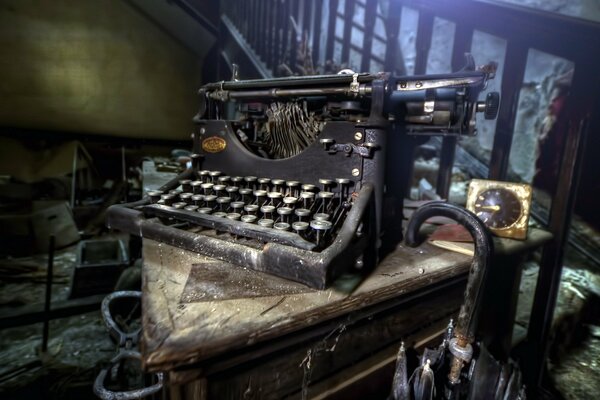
(205, 210)
(250, 182)
(284, 212)
(307, 198)
(302, 212)
(223, 202)
(224, 180)
(267, 223)
(300, 227)
(185, 185)
(275, 198)
(278, 185)
(220, 214)
(168, 199)
(191, 208)
(264, 183)
(245, 192)
(320, 227)
(219, 189)
(282, 226)
(260, 196)
(155, 195)
(206, 187)
(327, 184)
(196, 186)
(234, 216)
(325, 200)
(251, 208)
(175, 192)
(179, 205)
(307, 187)
(267, 210)
(236, 180)
(293, 188)
(290, 201)
(204, 174)
(186, 197)
(213, 175)
(249, 218)
(321, 217)
(210, 200)
(197, 199)
(344, 184)
(161, 202)
(237, 206)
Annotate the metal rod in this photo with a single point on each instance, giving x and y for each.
(48, 298)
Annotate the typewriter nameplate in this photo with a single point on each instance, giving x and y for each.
(214, 144)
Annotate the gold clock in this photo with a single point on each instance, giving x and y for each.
(502, 206)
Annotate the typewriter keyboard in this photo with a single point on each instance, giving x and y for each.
(289, 212)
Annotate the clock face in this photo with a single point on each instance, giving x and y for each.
(498, 208)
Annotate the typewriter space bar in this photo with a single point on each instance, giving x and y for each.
(225, 225)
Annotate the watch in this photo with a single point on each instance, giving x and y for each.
(502, 206)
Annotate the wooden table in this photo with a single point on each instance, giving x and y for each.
(229, 332)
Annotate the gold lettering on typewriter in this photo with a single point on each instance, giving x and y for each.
(214, 144)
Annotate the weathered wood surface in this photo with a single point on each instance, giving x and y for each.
(195, 308)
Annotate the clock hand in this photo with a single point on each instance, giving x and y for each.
(493, 208)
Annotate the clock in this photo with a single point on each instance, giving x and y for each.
(502, 206)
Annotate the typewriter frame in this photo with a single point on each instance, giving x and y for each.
(359, 154)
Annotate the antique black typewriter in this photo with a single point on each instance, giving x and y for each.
(304, 177)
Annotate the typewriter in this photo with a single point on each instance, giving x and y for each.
(304, 177)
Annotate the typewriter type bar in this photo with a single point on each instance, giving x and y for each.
(290, 175)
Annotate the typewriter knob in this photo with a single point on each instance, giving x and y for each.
(327, 143)
(490, 106)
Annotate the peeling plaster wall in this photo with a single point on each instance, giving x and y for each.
(96, 67)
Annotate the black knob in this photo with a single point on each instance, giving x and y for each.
(492, 104)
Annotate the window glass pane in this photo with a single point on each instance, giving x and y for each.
(406, 39)
(355, 60)
(439, 59)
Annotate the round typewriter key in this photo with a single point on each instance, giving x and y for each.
(325, 195)
(250, 181)
(290, 201)
(284, 212)
(293, 188)
(232, 191)
(196, 186)
(186, 197)
(249, 218)
(300, 226)
(302, 212)
(267, 209)
(180, 205)
(282, 226)
(218, 189)
(251, 208)
(205, 210)
(197, 199)
(344, 184)
(307, 187)
(220, 214)
(223, 202)
(245, 192)
(320, 226)
(204, 174)
(185, 185)
(175, 192)
(321, 217)
(278, 185)
(264, 183)
(275, 197)
(327, 183)
(267, 223)
(236, 180)
(161, 202)
(213, 175)
(209, 198)
(207, 187)
(260, 195)
(237, 205)
(168, 199)
(155, 195)
(191, 208)
(223, 180)
(234, 216)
